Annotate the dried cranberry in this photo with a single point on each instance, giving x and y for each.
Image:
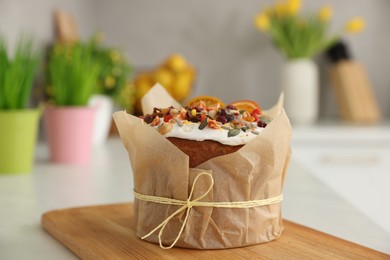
(148, 118)
(231, 107)
(256, 112)
(194, 119)
(261, 124)
(222, 119)
(167, 118)
(198, 109)
(222, 112)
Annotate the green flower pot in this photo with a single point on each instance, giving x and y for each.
(18, 134)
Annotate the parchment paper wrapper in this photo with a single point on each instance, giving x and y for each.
(254, 172)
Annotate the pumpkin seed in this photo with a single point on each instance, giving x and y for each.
(203, 124)
(233, 132)
(226, 127)
(255, 132)
(265, 119)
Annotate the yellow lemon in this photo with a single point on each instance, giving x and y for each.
(142, 84)
(183, 84)
(176, 62)
(164, 77)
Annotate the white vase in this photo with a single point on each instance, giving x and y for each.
(300, 84)
(103, 117)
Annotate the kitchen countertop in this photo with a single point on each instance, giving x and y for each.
(309, 200)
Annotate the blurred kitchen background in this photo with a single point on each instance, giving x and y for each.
(338, 170)
(233, 59)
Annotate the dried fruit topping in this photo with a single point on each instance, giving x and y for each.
(165, 128)
(148, 119)
(174, 112)
(222, 119)
(249, 118)
(212, 114)
(183, 114)
(155, 121)
(261, 124)
(167, 117)
(193, 112)
(213, 124)
(206, 102)
(231, 107)
(247, 105)
(242, 115)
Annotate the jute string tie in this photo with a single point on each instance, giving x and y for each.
(186, 205)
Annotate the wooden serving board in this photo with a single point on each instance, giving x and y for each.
(106, 232)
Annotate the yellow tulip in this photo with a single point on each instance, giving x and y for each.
(268, 11)
(325, 13)
(293, 6)
(262, 22)
(281, 9)
(355, 25)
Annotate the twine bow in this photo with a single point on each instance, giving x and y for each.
(189, 203)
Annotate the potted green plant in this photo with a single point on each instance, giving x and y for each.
(112, 86)
(18, 123)
(300, 36)
(72, 77)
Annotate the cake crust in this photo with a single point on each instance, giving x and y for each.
(201, 151)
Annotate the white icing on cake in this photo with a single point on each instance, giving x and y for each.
(191, 131)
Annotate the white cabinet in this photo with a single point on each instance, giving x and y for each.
(353, 161)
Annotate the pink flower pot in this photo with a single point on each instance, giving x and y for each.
(69, 134)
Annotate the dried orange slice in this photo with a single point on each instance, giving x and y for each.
(247, 105)
(208, 101)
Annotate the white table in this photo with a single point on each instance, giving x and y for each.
(23, 199)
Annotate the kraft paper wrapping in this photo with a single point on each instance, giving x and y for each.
(256, 171)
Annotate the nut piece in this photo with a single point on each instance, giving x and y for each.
(174, 112)
(165, 128)
(155, 121)
(213, 114)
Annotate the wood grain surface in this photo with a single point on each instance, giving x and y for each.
(106, 232)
